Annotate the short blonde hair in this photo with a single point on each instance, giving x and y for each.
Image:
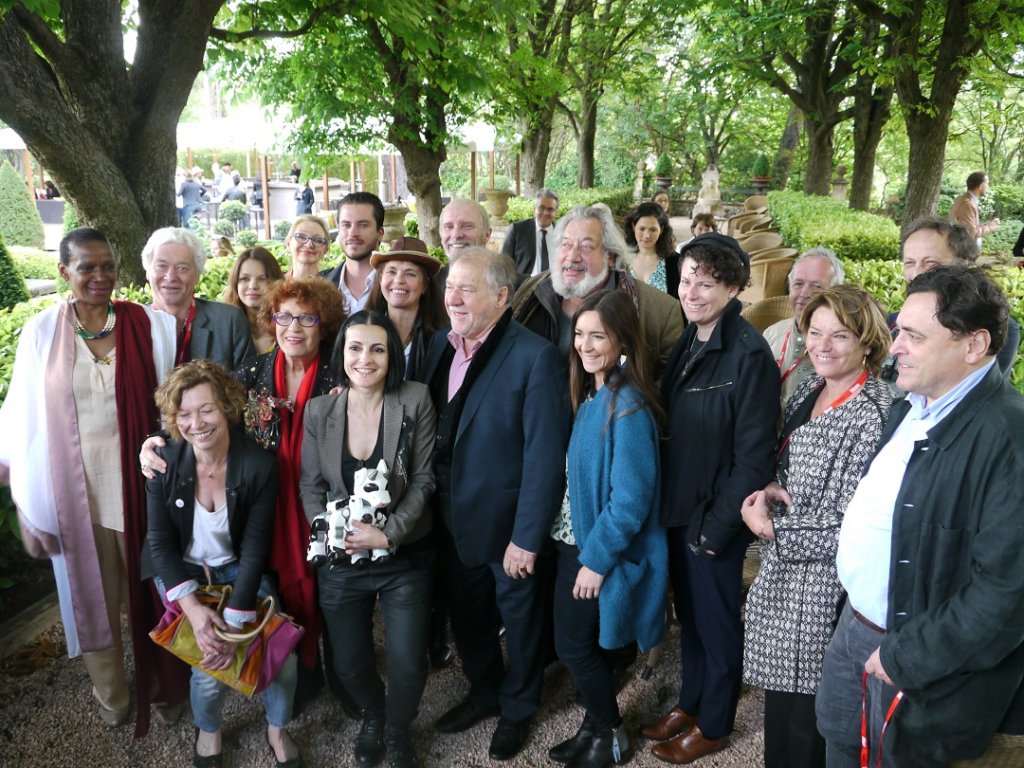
(858, 311)
(228, 393)
(309, 217)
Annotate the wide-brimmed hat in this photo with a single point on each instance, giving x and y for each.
(407, 249)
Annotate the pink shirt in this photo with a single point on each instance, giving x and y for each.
(465, 351)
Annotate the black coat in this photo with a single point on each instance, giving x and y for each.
(251, 483)
(521, 244)
(955, 643)
(722, 410)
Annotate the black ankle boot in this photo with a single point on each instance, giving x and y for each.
(570, 748)
(607, 748)
(400, 751)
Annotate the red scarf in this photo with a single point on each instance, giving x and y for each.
(296, 582)
(159, 676)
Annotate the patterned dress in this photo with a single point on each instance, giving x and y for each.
(792, 605)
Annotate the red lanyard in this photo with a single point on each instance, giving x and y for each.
(795, 364)
(851, 392)
(865, 748)
(186, 336)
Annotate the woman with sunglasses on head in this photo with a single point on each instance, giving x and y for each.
(304, 316)
(307, 243)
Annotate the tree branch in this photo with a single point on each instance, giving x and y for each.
(230, 36)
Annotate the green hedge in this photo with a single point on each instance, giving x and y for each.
(35, 264)
(12, 285)
(805, 221)
(619, 199)
(20, 223)
(1000, 242)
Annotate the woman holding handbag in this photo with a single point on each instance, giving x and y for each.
(213, 511)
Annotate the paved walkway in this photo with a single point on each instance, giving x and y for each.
(48, 718)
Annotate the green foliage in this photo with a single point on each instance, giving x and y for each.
(664, 166)
(224, 227)
(412, 226)
(247, 238)
(281, 229)
(12, 284)
(619, 199)
(1001, 242)
(204, 159)
(19, 219)
(761, 167)
(215, 277)
(70, 220)
(234, 210)
(1009, 200)
(805, 221)
(35, 264)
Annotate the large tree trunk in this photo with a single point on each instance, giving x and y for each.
(534, 149)
(927, 155)
(423, 168)
(106, 132)
(586, 136)
(870, 114)
(787, 147)
(818, 178)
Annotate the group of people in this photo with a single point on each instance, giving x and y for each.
(570, 441)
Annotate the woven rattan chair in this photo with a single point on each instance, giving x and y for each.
(772, 253)
(767, 279)
(768, 312)
(760, 240)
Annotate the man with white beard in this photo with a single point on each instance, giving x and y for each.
(590, 247)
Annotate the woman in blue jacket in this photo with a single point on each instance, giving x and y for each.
(612, 555)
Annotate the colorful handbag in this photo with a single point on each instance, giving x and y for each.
(263, 646)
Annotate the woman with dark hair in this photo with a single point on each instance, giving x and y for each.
(378, 419)
(612, 557)
(721, 393)
(703, 223)
(662, 199)
(305, 316)
(832, 425)
(406, 292)
(254, 270)
(653, 261)
(213, 511)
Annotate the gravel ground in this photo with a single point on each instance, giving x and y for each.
(48, 718)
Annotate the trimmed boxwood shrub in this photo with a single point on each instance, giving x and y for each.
(20, 223)
(35, 264)
(12, 284)
(805, 221)
(70, 220)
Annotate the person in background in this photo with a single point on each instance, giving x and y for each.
(661, 198)
(832, 425)
(378, 417)
(50, 191)
(612, 557)
(254, 272)
(304, 198)
(652, 258)
(174, 259)
(529, 242)
(814, 271)
(222, 247)
(295, 173)
(721, 394)
(964, 210)
(80, 402)
(213, 511)
(702, 223)
(406, 293)
(193, 196)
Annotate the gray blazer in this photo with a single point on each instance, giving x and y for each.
(220, 333)
(408, 447)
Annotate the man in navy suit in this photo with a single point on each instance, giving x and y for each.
(502, 430)
(530, 242)
(174, 259)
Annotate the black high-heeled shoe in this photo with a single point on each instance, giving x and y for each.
(295, 762)
(206, 761)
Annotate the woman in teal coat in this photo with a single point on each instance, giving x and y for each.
(612, 553)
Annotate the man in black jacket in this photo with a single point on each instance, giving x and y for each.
(929, 551)
(531, 242)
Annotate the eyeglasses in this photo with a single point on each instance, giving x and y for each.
(301, 238)
(306, 320)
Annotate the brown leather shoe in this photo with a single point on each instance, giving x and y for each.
(675, 723)
(685, 749)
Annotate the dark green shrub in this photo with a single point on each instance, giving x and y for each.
(412, 226)
(805, 221)
(664, 166)
(1001, 242)
(281, 229)
(224, 227)
(247, 238)
(70, 217)
(19, 219)
(234, 211)
(762, 167)
(12, 284)
(1009, 200)
(35, 264)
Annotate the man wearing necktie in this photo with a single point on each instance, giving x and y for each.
(527, 241)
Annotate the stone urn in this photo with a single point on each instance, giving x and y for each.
(394, 221)
(497, 201)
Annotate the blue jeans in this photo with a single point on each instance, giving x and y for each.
(207, 692)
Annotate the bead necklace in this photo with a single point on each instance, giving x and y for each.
(106, 330)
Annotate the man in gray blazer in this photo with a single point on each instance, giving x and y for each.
(174, 259)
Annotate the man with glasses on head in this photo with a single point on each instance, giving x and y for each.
(531, 241)
(587, 259)
(360, 230)
(174, 259)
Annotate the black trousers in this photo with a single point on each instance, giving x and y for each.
(706, 592)
(791, 732)
(348, 596)
(481, 598)
(576, 635)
